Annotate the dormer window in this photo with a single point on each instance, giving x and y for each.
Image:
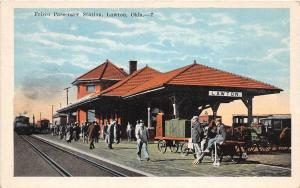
(90, 88)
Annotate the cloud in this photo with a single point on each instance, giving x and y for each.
(219, 19)
(262, 69)
(273, 53)
(182, 18)
(44, 85)
(271, 56)
(82, 61)
(79, 60)
(121, 34)
(176, 35)
(286, 41)
(73, 27)
(117, 23)
(259, 30)
(51, 40)
(37, 56)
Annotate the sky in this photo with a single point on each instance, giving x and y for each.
(50, 51)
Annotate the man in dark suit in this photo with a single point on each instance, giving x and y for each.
(97, 129)
(197, 136)
(220, 137)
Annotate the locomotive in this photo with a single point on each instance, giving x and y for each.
(22, 125)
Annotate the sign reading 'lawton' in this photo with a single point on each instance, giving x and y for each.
(225, 94)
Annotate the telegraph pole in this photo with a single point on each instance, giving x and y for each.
(52, 113)
(67, 89)
(33, 119)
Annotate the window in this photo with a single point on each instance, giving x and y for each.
(267, 123)
(255, 120)
(277, 124)
(90, 88)
(236, 120)
(91, 115)
(246, 120)
(286, 123)
(240, 120)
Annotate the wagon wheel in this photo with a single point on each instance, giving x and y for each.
(162, 146)
(238, 154)
(174, 146)
(184, 150)
(252, 148)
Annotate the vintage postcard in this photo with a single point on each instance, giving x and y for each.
(181, 94)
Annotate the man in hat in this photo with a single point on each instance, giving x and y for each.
(109, 138)
(91, 134)
(84, 132)
(142, 136)
(197, 136)
(117, 133)
(97, 129)
(220, 137)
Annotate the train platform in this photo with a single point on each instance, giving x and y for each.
(174, 164)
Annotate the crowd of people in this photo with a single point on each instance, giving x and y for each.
(205, 135)
(89, 132)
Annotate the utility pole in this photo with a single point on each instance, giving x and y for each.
(40, 116)
(67, 89)
(52, 113)
(33, 119)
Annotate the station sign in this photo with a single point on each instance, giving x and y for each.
(225, 94)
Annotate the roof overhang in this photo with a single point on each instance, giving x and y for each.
(144, 92)
(247, 91)
(74, 106)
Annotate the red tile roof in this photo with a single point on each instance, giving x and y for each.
(134, 80)
(106, 71)
(200, 75)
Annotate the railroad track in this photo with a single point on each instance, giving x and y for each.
(59, 168)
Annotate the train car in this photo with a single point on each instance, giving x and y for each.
(22, 125)
(60, 119)
(42, 126)
(242, 119)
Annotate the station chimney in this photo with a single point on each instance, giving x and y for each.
(132, 66)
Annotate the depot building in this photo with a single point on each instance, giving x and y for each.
(107, 92)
